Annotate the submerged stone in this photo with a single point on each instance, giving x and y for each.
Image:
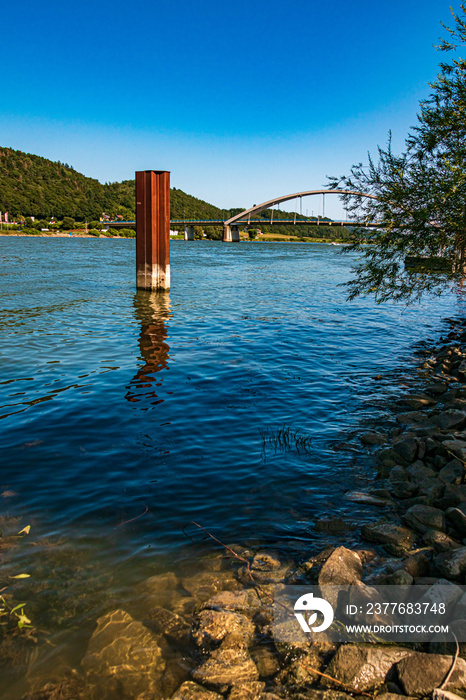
(228, 665)
(205, 584)
(194, 691)
(172, 626)
(246, 600)
(247, 691)
(366, 498)
(122, 650)
(214, 625)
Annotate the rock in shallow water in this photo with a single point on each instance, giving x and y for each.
(387, 532)
(124, 652)
(366, 498)
(193, 691)
(373, 438)
(227, 665)
(247, 691)
(205, 584)
(342, 567)
(364, 667)
(215, 625)
(246, 600)
(266, 568)
(419, 674)
(172, 626)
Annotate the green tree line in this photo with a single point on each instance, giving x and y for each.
(31, 185)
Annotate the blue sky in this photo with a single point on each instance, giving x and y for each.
(241, 101)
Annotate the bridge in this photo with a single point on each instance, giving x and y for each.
(153, 224)
(231, 225)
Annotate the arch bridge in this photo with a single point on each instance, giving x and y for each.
(231, 226)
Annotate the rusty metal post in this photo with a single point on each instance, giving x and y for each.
(153, 229)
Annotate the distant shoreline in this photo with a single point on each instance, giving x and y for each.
(124, 238)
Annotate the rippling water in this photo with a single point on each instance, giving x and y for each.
(124, 416)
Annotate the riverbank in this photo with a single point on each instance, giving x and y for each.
(208, 634)
(243, 239)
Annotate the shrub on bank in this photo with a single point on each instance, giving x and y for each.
(125, 233)
(30, 231)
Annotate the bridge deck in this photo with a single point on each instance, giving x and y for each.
(245, 222)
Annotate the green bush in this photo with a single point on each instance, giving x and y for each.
(30, 231)
(93, 232)
(68, 223)
(126, 232)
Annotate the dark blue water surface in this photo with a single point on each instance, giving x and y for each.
(161, 409)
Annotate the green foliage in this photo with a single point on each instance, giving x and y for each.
(214, 233)
(417, 197)
(15, 615)
(30, 231)
(68, 223)
(124, 232)
(94, 232)
(252, 233)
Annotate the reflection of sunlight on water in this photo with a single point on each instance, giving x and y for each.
(152, 311)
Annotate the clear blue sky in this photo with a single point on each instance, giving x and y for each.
(242, 101)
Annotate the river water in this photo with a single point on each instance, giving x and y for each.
(125, 416)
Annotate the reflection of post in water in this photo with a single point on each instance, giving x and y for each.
(152, 310)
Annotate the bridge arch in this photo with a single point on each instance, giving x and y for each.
(284, 198)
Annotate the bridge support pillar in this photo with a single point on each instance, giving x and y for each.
(230, 234)
(189, 233)
(153, 229)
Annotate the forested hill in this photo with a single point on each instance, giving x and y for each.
(34, 186)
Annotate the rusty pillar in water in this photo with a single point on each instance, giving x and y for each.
(153, 229)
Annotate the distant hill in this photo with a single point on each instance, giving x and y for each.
(34, 186)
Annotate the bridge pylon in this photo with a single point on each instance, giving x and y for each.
(230, 234)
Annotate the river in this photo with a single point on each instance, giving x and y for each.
(236, 401)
